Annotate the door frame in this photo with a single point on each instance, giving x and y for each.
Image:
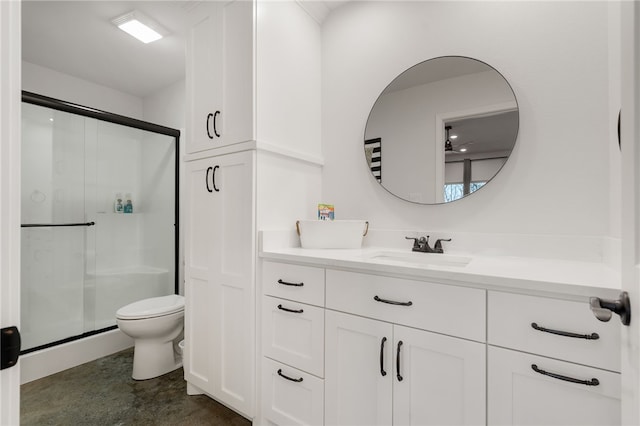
(10, 105)
(630, 206)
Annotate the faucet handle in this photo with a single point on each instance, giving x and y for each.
(437, 247)
(416, 244)
(419, 243)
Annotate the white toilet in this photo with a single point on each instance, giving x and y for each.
(156, 325)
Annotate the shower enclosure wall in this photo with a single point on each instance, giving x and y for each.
(82, 260)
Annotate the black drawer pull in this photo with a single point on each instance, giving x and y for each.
(287, 377)
(291, 284)
(399, 376)
(592, 382)
(382, 372)
(299, 311)
(392, 302)
(592, 336)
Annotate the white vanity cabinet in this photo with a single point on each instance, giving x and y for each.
(551, 362)
(379, 372)
(219, 265)
(220, 74)
(293, 329)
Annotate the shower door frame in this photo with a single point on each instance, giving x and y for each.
(60, 105)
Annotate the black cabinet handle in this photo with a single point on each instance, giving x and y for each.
(209, 117)
(287, 377)
(392, 302)
(592, 382)
(215, 119)
(382, 372)
(291, 284)
(214, 179)
(398, 375)
(299, 311)
(592, 336)
(206, 178)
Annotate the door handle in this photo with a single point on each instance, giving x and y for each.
(214, 179)
(215, 121)
(604, 308)
(398, 375)
(10, 341)
(382, 372)
(206, 178)
(209, 117)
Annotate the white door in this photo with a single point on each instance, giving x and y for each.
(630, 134)
(443, 379)
(10, 101)
(358, 370)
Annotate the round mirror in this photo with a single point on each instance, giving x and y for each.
(441, 130)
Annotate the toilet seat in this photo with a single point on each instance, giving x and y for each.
(152, 307)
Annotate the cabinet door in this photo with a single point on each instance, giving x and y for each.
(220, 244)
(220, 75)
(519, 395)
(199, 248)
(358, 370)
(438, 380)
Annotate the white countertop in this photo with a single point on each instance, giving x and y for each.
(577, 279)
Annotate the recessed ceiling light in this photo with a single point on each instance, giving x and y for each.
(140, 26)
(454, 136)
(463, 149)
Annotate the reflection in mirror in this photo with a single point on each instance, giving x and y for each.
(441, 130)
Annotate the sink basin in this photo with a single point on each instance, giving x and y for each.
(421, 259)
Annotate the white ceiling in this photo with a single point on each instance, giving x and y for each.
(78, 38)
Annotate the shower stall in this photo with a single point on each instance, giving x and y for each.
(84, 253)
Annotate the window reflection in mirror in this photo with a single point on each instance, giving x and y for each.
(444, 128)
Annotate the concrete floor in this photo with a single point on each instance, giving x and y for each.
(102, 392)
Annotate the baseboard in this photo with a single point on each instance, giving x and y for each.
(52, 360)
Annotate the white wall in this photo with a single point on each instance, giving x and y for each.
(288, 95)
(288, 77)
(48, 82)
(555, 56)
(166, 107)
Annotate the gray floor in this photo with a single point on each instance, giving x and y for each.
(102, 392)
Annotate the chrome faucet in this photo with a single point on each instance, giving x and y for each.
(422, 245)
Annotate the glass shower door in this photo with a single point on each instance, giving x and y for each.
(54, 225)
(83, 259)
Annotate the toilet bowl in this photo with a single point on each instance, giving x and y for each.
(156, 325)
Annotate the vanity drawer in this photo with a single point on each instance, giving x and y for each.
(290, 396)
(294, 282)
(528, 323)
(293, 333)
(452, 310)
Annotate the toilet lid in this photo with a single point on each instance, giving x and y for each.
(153, 307)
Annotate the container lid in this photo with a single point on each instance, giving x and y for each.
(153, 307)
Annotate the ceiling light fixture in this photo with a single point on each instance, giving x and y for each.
(140, 26)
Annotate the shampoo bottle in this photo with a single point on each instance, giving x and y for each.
(128, 206)
(118, 206)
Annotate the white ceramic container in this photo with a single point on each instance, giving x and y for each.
(332, 234)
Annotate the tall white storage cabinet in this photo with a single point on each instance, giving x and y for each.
(220, 204)
(243, 73)
(219, 287)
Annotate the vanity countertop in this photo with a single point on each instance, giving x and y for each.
(507, 273)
